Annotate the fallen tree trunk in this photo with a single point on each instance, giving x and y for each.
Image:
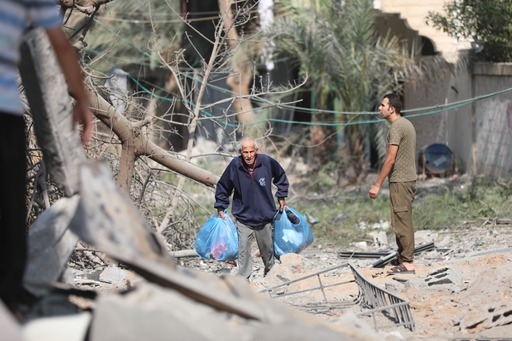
(142, 146)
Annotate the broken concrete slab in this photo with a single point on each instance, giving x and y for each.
(379, 238)
(154, 313)
(61, 328)
(117, 278)
(50, 244)
(108, 219)
(444, 275)
(425, 236)
(10, 328)
(47, 94)
(494, 314)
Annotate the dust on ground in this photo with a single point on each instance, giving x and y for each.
(472, 301)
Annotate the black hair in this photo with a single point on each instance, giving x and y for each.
(395, 102)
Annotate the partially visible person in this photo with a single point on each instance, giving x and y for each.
(400, 169)
(249, 178)
(16, 16)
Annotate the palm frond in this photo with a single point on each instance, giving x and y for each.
(132, 30)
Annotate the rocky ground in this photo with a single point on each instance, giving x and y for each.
(462, 288)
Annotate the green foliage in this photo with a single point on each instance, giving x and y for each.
(134, 32)
(486, 22)
(335, 44)
(505, 189)
(341, 215)
(482, 199)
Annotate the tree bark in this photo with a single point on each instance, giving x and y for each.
(142, 145)
(240, 78)
(83, 3)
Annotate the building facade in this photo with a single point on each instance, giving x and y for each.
(478, 125)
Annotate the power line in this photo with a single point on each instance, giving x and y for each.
(431, 110)
(425, 111)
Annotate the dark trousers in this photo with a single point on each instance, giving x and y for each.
(13, 209)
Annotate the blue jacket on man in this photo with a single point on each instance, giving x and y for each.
(253, 202)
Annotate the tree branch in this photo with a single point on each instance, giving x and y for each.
(123, 128)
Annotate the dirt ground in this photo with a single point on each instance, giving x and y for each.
(462, 288)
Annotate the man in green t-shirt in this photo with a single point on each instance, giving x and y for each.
(400, 169)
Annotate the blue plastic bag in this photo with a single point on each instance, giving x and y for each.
(289, 237)
(217, 239)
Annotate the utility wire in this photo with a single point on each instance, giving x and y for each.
(424, 111)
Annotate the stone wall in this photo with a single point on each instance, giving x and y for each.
(478, 127)
(493, 119)
(416, 12)
(479, 133)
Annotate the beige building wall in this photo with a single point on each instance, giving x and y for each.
(415, 13)
(450, 84)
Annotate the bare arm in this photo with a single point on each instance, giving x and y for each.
(384, 172)
(68, 60)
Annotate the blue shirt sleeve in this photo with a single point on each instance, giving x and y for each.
(44, 13)
(224, 189)
(280, 179)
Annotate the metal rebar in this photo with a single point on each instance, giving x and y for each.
(381, 300)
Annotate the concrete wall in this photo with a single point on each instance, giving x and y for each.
(416, 12)
(479, 134)
(424, 93)
(458, 122)
(451, 127)
(493, 119)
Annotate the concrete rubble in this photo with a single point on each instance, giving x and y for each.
(445, 275)
(162, 300)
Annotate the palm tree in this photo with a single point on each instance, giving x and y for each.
(349, 68)
(133, 31)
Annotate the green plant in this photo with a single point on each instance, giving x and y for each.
(342, 215)
(486, 22)
(348, 66)
(481, 199)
